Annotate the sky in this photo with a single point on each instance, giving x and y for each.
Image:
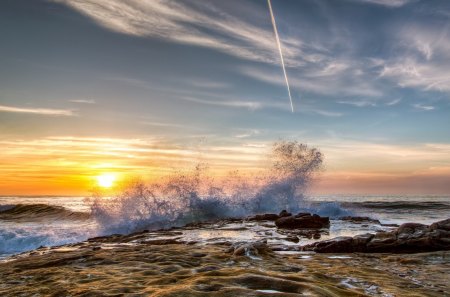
(141, 88)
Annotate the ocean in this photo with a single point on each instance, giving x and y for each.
(27, 223)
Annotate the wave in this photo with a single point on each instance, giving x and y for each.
(399, 205)
(193, 196)
(34, 212)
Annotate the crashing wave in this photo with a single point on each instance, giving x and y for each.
(187, 197)
(34, 212)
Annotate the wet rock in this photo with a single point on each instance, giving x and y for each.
(252, 249)
(284, 213)
(264, 217)
(303, 222)
(302, 214)
(162, 241)
(294, 239)
(359, 220)
(408, 238)
(208, 268)
(316, 236)
(442, 225)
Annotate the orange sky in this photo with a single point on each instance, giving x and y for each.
(71, 165)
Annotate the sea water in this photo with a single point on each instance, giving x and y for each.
(33, 225)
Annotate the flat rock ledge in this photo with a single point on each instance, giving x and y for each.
(408, 238)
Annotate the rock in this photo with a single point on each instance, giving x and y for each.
(284, 213)
(303, 222)
(443, 225)
(264, 217)
(252, 249)
(408, 238)
(208, 268)
(293, 239)
(335, 245)
(359, 220)
(316, 235)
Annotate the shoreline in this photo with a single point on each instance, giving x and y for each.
(162, 263)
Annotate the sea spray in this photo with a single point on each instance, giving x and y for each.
(192, 196)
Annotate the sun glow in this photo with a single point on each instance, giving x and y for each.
(106, 180)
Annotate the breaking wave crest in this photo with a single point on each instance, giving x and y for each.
(192, 196)
(34, 212)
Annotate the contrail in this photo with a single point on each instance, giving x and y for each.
(281, 52)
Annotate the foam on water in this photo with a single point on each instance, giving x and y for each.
(191, 196)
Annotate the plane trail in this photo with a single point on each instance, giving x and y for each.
(275, 30)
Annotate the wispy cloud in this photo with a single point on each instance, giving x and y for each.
(226, 103)
(206, 84)
(393, 102)
(196, 23)
(327, 113)
(314, 81)
(423, 107)
(424, 60)
(161, 124)
(360, 103)
(387, 3)
(40, 111)
(83, 101)
(247, 133)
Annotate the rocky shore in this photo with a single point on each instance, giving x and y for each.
(408, 238)
(171, 263)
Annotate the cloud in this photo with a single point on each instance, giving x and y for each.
(423, 107)
(83, 101)
(40, 111)
(315, 81)
(387, 3)
(361, 103)
(195, 23)
(247, 133)
(160, 124)
(226, 103)
(394, 102)
(327, 113)
(206, 84)
(423, 58)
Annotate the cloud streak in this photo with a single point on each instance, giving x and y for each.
(83, 101)
(39, 111)
(387, 3)
(423, 107)
(195, 23)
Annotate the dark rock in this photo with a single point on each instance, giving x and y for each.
(294, 239)
(284, 213)
(303, 222)
(264, 217)
(443, 225)
(408, 238)
(359, 220)
(316, 235)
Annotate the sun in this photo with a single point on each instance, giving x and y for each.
(106, 180)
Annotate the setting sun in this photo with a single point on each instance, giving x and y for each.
(106, 180)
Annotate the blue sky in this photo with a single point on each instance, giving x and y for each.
(370, 82)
